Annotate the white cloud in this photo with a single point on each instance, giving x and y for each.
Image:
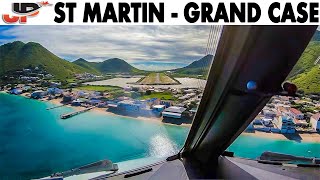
(181, 44)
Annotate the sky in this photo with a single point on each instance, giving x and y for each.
(145, 47)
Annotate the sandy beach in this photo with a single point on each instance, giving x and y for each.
(301, 137)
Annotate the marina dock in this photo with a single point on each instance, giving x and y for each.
(55, 107)
(69, 115)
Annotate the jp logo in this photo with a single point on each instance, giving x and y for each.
(24, 10)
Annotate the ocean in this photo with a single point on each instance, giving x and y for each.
(35, 142)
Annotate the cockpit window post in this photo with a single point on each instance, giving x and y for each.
(263, 54)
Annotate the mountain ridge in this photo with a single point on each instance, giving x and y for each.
(197, 67)
(113, 65)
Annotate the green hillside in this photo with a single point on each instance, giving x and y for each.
(114, 65)
(198, 67)
(18, 55)
(306, 74)
(87, 65)
(309, 81)
(307, 59)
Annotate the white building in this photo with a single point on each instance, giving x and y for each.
(285, 124)
(315, 122)
(173, 112)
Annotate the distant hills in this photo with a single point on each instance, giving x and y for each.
(114, 65)
(198, 67)
(18, 55)
(306, 73)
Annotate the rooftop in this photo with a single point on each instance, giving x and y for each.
(316, 116)
(175, 109)
(295, 111)
(158, 106)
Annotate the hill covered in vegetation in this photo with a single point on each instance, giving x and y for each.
(306, 73)
(197, 68)
(114, 65)
(18, 55)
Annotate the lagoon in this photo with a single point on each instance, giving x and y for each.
(35, 142)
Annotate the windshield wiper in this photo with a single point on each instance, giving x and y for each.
(279, 159)
(104, 165)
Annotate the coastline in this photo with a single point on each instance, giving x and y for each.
(104, 111)
(299, 137)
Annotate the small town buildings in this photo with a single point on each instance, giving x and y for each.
(94, 101)
(29, 79)
(130, 105)
(54, 91)
(257, 121)
(77, 102)
(296, 114)
(285, 124)
(82, 94)
(148, 107)
(267, 122)
(300, 123)
(268, 113)
(127, 88)
(67, 98)
(121, 98)
(158, 109)
(166, 103)
(112, 105)
(38, 94)
(187, 96)
(173, 112)
(315, 122)
(26, 88)
(16, 91)
(55, 84)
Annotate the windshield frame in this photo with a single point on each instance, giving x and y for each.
(239, 49)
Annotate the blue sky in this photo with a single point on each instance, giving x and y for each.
(146, 47)
(4, 38)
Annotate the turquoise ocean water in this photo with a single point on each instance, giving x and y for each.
(35, 142)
